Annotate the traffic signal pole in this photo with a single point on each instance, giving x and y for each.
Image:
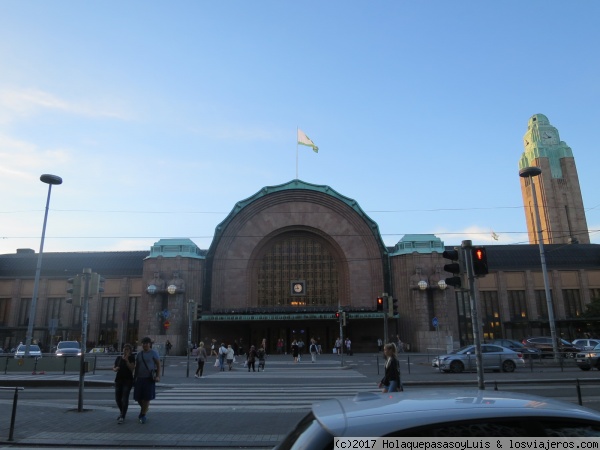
(466, 248)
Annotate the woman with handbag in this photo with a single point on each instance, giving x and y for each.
(147, 373)
(391, 378)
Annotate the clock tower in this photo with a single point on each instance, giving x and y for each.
(557, 188)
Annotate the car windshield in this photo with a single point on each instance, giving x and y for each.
(32, 348)
(68, 345)
(597, 347)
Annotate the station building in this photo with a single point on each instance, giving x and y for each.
(287, 258)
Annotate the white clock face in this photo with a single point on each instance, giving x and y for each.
(548, 137)
(298, 288)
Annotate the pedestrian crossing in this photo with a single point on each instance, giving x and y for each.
(254, 397)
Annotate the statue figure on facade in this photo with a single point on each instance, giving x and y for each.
(156, 285)
(436, 276)
(177, 282)
(416, 277)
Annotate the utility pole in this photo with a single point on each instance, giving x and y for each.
(87, 274)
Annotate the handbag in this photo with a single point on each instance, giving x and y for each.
(217, 362)
(153, 372)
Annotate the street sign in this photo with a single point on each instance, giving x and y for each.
(434, 321)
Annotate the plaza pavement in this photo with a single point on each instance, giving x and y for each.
(50, 423)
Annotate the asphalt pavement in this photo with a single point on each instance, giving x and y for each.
(52, 423)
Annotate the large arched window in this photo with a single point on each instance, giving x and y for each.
(297, 257)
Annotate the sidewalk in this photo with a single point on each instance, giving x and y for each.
(60, 425)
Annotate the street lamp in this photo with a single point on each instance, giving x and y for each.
(449, 344)
(49, 180)
(189, 343)
(530, 172)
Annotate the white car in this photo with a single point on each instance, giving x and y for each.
(494, 357)
(34, 351)
(439, 413)
(586, 344)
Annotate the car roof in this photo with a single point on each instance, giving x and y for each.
(370, 414)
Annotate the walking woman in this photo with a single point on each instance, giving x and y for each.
(201, 360)
(391, 378)
(123, 366)
(147, 373)
(295, 350)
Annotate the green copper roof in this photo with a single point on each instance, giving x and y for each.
(418, 243)
(296, 185)
(170, 248)
(543, 141)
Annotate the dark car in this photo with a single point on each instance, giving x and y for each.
(432, 413)
(528, 352)
(68, 348)
(544, 344)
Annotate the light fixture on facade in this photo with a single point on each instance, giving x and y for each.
(422, 285)
(152, 289)
(172, 289)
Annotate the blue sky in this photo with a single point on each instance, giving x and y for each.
(160, 116)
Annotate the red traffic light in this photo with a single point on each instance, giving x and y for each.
(337, 315)
(379, 303)
(480, 264)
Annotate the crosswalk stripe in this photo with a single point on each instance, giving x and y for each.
(253, 397)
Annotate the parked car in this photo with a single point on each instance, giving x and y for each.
(495, 357)
(588, 359)
(439, 413)
(68, 348)
(528, 352)
(34, 351)
(544, 343)
(585, 344)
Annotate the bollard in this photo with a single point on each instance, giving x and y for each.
(578, 387)
(377, 364)
(13, 416)
(408, 363)
(495, 385)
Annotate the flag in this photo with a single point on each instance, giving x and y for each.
(303, 139)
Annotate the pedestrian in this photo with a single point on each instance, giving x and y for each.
(229, 356)
(279, 346)
(295, 350)
(168, 347)
(147, 373)
(338, 346)
(261, 354)
(300, 349)
(213, 348)
(222, 356)
(251, 358)
(348, 347)
(313, 350)
(391, 378)
(201, 360)
(379, 344)
(123, 367)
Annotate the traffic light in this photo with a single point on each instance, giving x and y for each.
(337, 315)
(454, 268)
(74, 289)
(344, 319)
(380, 304)
(95, 284)
(480, 264)
(393, 306)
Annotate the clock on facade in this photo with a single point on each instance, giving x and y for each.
(298, 287)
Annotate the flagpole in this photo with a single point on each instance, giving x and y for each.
(296, 153)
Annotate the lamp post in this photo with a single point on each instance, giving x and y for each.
(49, 180)
(530, 172)
(189, 343)
(449, 344)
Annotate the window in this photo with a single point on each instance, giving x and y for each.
(54, 309)
(4, 306)
(572, 301)
(541, 304)
(490, 314)
(24, 312)
(517, 305)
